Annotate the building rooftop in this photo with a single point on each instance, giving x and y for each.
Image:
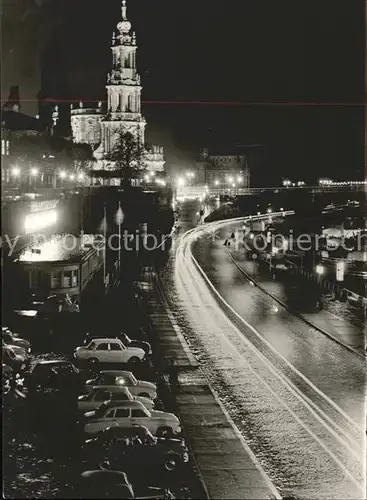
(61, 248)
(12, 120)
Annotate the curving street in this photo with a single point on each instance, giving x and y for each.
(295, 395)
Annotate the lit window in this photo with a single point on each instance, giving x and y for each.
(67, 279)
(3, 147)
(75, 278)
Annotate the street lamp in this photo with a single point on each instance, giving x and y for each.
(230, 180)
(216, 182)
(181, 181)
(33, 175)
(320, 269)
(16, 171)
(80, 176)
(71, 177)
(62, 174)
(239, 179)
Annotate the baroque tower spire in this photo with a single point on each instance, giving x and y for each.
(123, 88)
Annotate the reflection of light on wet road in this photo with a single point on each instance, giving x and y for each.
(299, 396)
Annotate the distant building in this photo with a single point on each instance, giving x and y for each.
(102, 128)
(86, 124)
(223, 169)
(14, 124)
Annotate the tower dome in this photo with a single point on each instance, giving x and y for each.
(124, 26)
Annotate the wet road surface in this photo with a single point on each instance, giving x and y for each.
(296, 396)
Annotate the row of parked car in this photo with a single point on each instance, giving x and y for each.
(16, 356)
(122, 431)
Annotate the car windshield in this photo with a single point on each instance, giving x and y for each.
(132, 379)
(92, 345)
(120, 396)
(127, 379)
(101, 409)
(149, 438)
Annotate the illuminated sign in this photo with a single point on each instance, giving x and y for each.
(40, 206)
(39, 220)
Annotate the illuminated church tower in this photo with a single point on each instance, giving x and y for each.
(123, 109)
(123, 90)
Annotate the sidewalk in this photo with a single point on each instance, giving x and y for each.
(225, 464)
(334, 326)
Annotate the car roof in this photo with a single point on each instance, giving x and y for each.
(117, 389)
(100, 473)
(104, 339)
(53, 362)
(126, 404)
(118, 373)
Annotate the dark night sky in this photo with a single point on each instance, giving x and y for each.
(210, 50)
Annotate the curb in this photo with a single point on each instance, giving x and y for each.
(248, 450)
(300, 316)
(193, 363)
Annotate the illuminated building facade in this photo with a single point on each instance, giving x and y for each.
(62, 265)
(223, 169)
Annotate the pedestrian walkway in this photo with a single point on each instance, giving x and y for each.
(226, 466)
(329, 323)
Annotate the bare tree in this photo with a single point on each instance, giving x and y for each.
(128, 157)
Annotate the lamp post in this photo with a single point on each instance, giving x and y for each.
(15, 172)
(319, 271)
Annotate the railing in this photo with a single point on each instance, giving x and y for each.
(277, 189)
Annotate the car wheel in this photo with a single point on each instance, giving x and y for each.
(134, 360)
(170, 465)
(93, 361)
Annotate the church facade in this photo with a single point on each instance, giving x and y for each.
(101, 127)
